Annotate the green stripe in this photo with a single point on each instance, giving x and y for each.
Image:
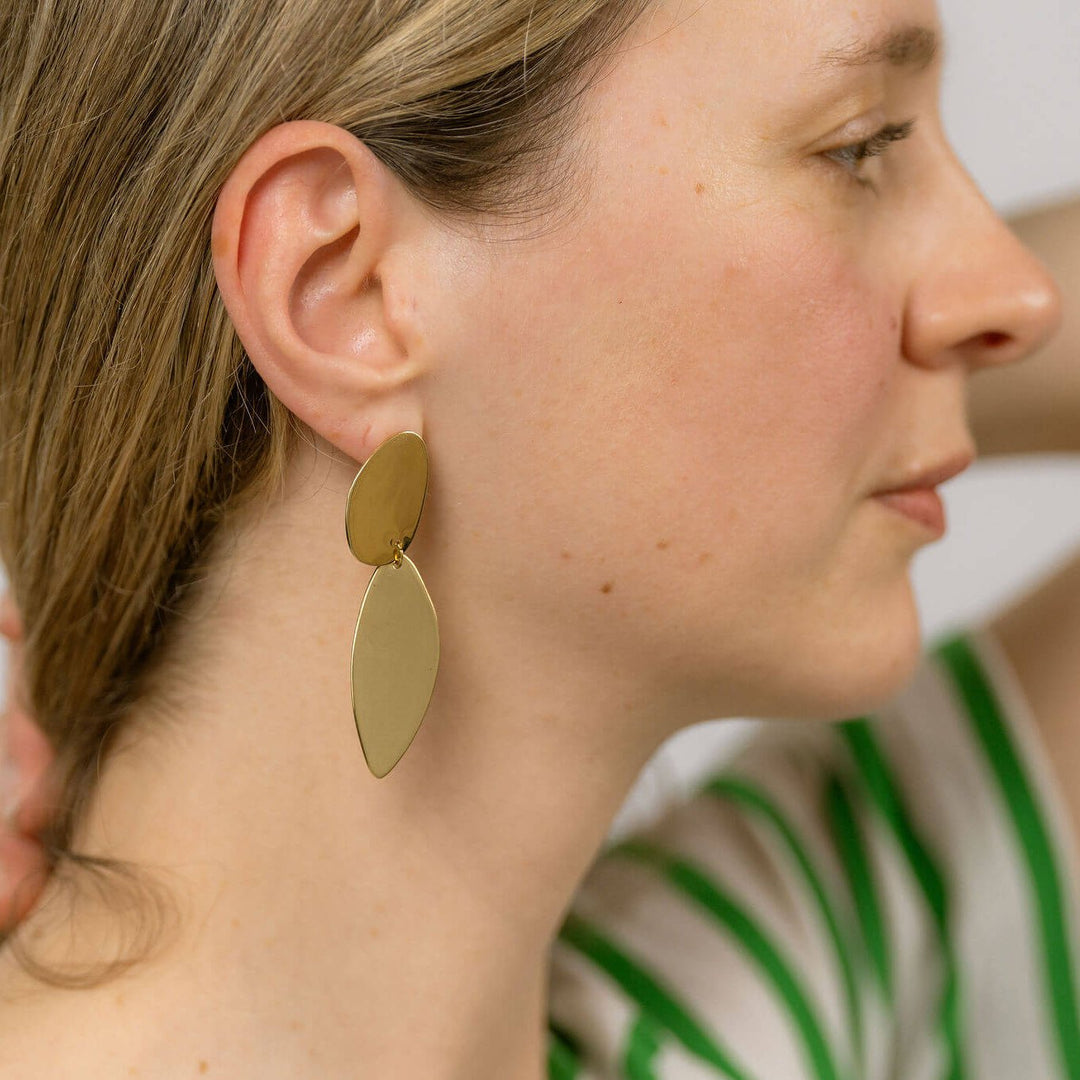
(752, 796)
(885, 792)
(564, 1062)
(644, 988)
(695, 884)
(1033, 834)
(852, 851)
(641, 1050)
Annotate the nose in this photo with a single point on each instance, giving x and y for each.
(982, 296)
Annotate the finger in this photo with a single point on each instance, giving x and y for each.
(16, 675)
(24, 872)
(10, 620)
(30, 755)
(11, 627)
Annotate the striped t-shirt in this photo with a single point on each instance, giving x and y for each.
(894, 896)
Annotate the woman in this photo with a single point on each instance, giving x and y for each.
(667, 340)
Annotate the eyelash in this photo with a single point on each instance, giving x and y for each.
(877, 144)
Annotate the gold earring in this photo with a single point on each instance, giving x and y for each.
(395, 652)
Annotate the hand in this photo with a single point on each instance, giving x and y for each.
(1034, 407)
(25, 787)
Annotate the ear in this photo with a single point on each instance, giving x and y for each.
(314, 245)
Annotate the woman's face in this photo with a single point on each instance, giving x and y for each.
(656, 423)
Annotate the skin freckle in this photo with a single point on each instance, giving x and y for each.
(662, 544)
(705, 556)
(699, 189)
(663, 170)
(606, 587)
(566, 555)
(203, 1066)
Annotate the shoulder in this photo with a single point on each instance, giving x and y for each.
(836, 891)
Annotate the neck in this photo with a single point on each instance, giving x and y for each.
(357, 926)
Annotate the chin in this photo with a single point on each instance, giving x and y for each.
(877, 666)
(847, 673)
(846, 664)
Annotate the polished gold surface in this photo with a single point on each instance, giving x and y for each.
(395, 653)
(394, 662)
(386, 499)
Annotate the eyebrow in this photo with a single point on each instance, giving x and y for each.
(914, 47)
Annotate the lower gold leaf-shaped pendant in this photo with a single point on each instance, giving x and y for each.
(395, 658)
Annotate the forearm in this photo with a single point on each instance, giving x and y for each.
(1033, 407)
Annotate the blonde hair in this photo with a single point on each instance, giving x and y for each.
(133, 422)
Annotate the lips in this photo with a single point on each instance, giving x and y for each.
(921, 505)
(915, 497)
(928, 479)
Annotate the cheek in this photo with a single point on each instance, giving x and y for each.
(645, 451)
(735, 394)
(773, 380)
(720, 411)
(808, 351)
(769, 422)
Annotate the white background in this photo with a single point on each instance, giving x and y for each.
(1011, 102)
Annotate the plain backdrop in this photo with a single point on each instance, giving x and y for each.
(1011, 101)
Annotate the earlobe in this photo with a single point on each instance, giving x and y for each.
(307, 249)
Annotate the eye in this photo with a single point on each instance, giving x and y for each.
(853, 154)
